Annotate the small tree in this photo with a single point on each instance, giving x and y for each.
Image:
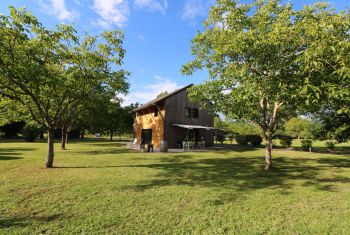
(219, 123)
(231, 137)
(286, 141)
(297, 128)
(220, 137)
(267, 61)
(334, 123)
(306, 144)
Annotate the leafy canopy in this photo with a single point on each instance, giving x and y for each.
(51, 72)
(266, 57)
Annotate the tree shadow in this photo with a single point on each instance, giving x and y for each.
(175, 158)
(339, 161)
(84, 167)
(223, 148)
(108, 144)
(13, 153)
(25, 221)
(337, 151)
(104, 151)
(240, 175)
(6, 158)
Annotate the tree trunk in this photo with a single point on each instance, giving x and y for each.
(42, 135)
(64, 138)
(50, 143)
(269, 122)
(268, 152)
(111, 136)
(82, 134)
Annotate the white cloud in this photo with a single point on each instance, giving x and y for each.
(141, 37)
(152, 5)
(151, 91)
(77, 2)
(59, 9)
(111, 12)
(195, 9)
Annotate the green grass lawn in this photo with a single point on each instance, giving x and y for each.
(317, 146)
(100, 187)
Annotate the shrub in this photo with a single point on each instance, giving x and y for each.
(30, 132)
(330, 144)
(254, 140)
(286, 141)
(221, 137)
(275, 143)
(242, 139)
(231, 137)
(12, 129)
(306, 144)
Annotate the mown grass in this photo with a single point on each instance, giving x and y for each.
(317, 146)
(100, 187)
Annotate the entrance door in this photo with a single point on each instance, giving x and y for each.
(146, 136)
(193, 135)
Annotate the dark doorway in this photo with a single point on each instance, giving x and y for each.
(146, 136)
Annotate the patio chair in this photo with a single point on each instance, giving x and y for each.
(201, 145)
(187, 145)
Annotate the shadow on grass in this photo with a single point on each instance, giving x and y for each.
(6, 158)
(223, 148)
(13, 153)
(233, 178)
(25, 221)
(243, 174)
(339, 161)
(84, 167)
(336, 151)
(175, 158)
(344, 150)
(109, 143)
(104, 151)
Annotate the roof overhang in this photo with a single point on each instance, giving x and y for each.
(208, 128)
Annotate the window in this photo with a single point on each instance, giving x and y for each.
(191, 112)
(194, 113)
(187, 112)
(156, 113)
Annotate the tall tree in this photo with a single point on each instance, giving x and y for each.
(126, 119)
(267, 61)
(50, 71)
(108, 116)
(112, 119)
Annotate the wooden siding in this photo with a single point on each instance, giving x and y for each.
(145, 119)
(175, 114)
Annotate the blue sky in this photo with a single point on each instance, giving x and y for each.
(157, 34)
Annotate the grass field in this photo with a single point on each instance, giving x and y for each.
(100, 187)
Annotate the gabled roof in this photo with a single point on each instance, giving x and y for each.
(158, 99)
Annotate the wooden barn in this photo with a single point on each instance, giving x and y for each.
(173, 118)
